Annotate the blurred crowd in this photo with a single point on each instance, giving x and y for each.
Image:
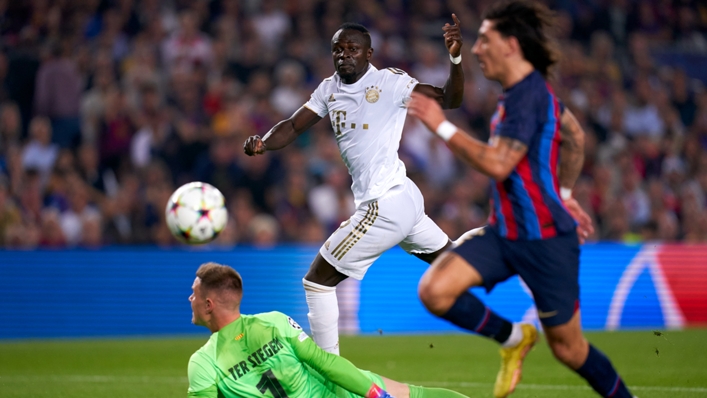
(106, 106)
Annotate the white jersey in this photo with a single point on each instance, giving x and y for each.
(367, 118)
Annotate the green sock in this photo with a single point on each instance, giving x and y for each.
(427, 392)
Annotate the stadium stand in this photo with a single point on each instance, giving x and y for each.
(107, 106)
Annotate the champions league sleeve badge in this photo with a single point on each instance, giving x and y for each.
(294, 324)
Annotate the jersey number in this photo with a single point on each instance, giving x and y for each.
(269, 383)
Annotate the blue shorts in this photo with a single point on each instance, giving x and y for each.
(550, 268)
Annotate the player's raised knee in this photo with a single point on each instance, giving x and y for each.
(434, 296)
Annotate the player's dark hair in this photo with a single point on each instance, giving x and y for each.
(357, 27)
(219, 277)
(528, 22)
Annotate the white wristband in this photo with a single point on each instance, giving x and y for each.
(456, 60)
(446, 130)
(565, 193)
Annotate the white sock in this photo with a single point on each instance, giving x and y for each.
(515, 338)
(323, 315)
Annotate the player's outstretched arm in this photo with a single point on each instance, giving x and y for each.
(497, 159)
(336, 369)
(282, 134)
(451, 95)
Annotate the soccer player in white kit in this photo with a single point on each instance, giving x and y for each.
(367, 108)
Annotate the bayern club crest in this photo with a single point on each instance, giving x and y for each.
(372, 94)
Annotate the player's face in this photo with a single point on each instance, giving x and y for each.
(198, 304)
(490, 50)
(351, 54)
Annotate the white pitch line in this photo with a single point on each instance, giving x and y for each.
(93, 379)
(557, 386)
(176, 379)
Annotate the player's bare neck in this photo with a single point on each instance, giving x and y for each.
(351, 79)
(516, 73)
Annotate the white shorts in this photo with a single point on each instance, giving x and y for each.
(396, 218)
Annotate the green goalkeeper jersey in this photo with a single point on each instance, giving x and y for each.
(268, 355)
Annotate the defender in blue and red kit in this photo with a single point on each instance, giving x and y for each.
(534, 155)
(530, 232)
(527, 204)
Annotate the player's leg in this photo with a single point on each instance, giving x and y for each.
(374, 228)
(479, 259)
(424, 239)
(320, 292)
(431, 257)
(444, 288)
(402, 390)
(571, 348)
(398, 390)
(551, 271)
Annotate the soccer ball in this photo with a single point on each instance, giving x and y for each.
(196, 213)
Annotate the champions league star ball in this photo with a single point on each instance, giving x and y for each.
(196, 213)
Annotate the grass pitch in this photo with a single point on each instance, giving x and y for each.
(673, 364)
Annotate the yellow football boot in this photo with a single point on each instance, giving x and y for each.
(512, 362)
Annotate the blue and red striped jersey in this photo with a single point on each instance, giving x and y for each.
(527, 204)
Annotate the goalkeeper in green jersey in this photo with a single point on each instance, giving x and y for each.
(268, 355)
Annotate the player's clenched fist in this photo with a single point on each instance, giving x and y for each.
(254, 145)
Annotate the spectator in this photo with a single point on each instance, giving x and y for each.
(187, 47)
(263, 230)
(9, 214)
(116, 129)
(52, 234)
(72, 220)
(10, 125)
(145, 96)
(58, 93)
(93, 103)
(270, 24)
(641, 118)
(287, 96)
(154, 128)
(40, 154)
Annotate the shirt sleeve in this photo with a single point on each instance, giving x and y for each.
(336, 369)
(520, 115)
(317, 103)
(403, 84)
(202, 378)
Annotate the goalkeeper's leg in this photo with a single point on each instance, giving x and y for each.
(429, 392)
(402, 390)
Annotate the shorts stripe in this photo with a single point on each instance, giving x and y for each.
(364, 226)
(350, 235)
(358, 232)
(353, 236)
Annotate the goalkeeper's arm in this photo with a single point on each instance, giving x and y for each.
(336, 369)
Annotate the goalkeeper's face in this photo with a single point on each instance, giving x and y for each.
(200, 307)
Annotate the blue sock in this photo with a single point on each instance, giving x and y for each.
(602, 376)
(471, 314)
